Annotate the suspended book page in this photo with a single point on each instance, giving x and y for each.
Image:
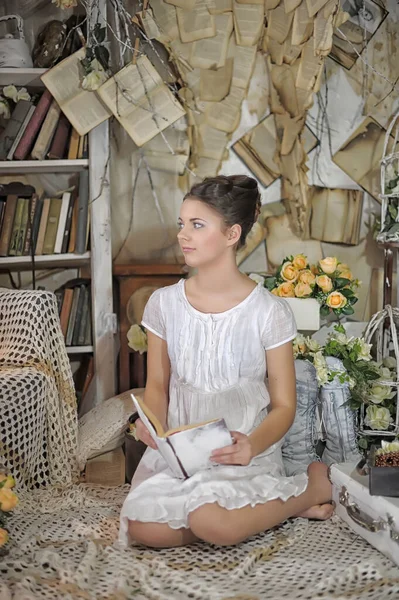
(336, 215)
(184, 4)
(248, 23)
(140, 101)
(168, 151)
(83, 109)
(211, 143)
(166, 20)
(217, 7)
(215, 84)
(210, 53)
(197, 23)
(244, 62)
(279, 24)
(225, 115)
(302, 27)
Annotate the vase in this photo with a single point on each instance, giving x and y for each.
(339, 420)
(306, 312)
(299, 446)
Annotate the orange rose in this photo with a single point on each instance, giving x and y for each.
(3, 537)
(275, 292)
(342, 267)
(306, 276)
(324, 283)
(346, 274)
(302, 290)
(9, 481)
(8, 500)
(336, 300)
(289, 272)
(300, 261)
(286, 290)
(328, 265)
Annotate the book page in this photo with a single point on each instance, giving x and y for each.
(248, 23)
(244, 61)
(215, 84)
(212, 143)
(284, 83)
(197, 23)
(218, 7)
(279, 24)
(149, 24)
(310, 66)
(314, 6)
(302, 26)
(168, 152)
(225, 115)
(185, 4)
(262, 141)
(166, 20)
(210, 53)
(83, 109)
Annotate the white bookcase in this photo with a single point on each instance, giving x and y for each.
(99, 259)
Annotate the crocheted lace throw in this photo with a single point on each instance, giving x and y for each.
(38, 418)
(63, 546)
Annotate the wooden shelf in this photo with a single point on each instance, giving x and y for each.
(45, 261)
(79, 349)
(388, 244)
(43, 166)
(22, 77)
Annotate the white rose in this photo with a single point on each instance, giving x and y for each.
(389, 362)
(351, 382)
(256, 277)
(23, 94)
(4, 109)
(137, 339)
(388, 447)
(93, 80)
(340, 337)
(319, 361)
(378, 417)
(10, 91)
(364, 350)
(312, 344)
(379, 393)
(322, 375)
(386, 374)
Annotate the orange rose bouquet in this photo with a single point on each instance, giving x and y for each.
(8, 501)
(330, 282)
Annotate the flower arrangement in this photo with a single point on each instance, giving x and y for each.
(363, 375)
(137, 338)
(11, 95)
(8, 501)
(330, 282)
(96, 61)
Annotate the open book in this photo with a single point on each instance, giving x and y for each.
(186, 449)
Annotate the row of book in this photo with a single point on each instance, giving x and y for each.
(74, 309)
(44, 225)
(41, 131)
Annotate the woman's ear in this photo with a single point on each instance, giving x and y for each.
(234, 234)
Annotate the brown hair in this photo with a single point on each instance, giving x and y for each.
(235, 197)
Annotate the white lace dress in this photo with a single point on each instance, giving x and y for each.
(218, 369)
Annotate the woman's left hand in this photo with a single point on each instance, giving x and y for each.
(239, 453)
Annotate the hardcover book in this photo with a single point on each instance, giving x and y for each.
(185, 449)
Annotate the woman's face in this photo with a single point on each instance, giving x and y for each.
(203, 236)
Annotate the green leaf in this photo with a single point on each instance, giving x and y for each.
(99, 33)
(393, 211)
(341, 282)
(102, 55)
(363, 443)
(270, 283)
(347, 310)
(347, 292)
(324, 310)
(353, 299)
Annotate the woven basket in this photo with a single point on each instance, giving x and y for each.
(383, 339)
(389, 165)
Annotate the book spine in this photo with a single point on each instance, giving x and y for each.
(84, 318)
(23, 228)
(20, 132)
(14, 124)
(47, 132)
(36, 222)
(73, 145)
(12, 250)
(68, 225)
(52, 225)
(7, 227)
(62, 222)
(79, 315)
(66, 310)
(72, 316)
(83, 213)
(33, 127)
(31, 214)
(58, 145)
(42, 226)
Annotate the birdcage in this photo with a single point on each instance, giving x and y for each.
(382, 333)
(389, 231)
(14, 51)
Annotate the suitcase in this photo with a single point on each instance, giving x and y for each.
(374, 518)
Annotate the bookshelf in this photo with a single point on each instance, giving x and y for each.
(99, 259)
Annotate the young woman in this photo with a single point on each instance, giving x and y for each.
(209, 341)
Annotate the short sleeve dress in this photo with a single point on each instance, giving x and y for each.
(218, 369)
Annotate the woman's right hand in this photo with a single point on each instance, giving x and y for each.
(144, 435)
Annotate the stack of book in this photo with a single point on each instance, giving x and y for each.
(41, 132)
(74, 309)
(33, 225)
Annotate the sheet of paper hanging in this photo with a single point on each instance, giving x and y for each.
(262, 139)
(180, 53)
(248, 23)
(244, 62)
(284, 83)
(215, 84)
(197, 23)
(251, 2)
(270, 4)
(174, 137)
(314, 6)
(83, 109)
(130, 86)
(329, 214)
(210, 53)
(187, 99)
(290, 5)
(205, 167)
(291, 127)
(217, 7)
(166, 20)
(302, 26)
(290, 163)
(310, 67)
(184, 4)
(279, 23)
(225, 115)
(212, 142)
(308, 139)
(149, 24)
(324, 28)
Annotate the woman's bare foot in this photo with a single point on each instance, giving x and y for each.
(321, 489)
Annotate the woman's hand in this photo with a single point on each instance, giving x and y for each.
(239, 453)
(144, 435)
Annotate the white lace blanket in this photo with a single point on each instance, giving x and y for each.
(63, 547)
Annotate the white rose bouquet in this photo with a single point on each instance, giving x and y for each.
(367, 379)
